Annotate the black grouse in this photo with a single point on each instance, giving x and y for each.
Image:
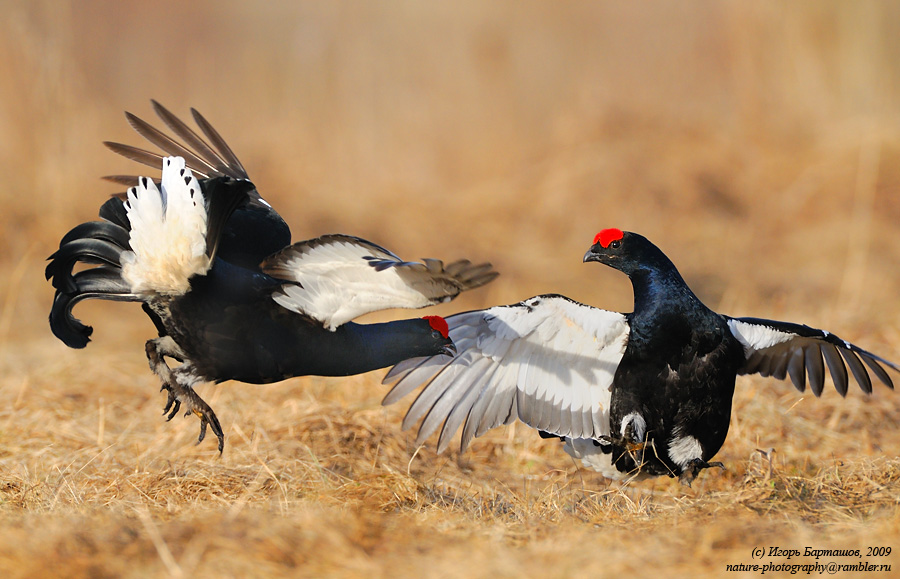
(231, 299)
(638, 394)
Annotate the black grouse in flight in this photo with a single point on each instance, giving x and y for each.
(230, 297)
(637, 394)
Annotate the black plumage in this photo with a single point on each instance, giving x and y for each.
(229, 297)
(643, 393)
(677, 375)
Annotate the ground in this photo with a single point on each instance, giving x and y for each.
(755, 143)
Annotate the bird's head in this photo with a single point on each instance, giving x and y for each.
(610, 247)
(439, 341)
(625, 251)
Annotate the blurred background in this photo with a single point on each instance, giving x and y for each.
(756, 142)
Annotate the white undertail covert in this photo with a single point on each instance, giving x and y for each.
(168, 232)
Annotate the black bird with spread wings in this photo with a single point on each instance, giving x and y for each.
(230, 297)
(637, 394)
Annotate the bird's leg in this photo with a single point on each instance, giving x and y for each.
(185, 380)
(629, 439)
(628, 447)
(179, 384)
(157, 350)
(693, 468)
(633, 443)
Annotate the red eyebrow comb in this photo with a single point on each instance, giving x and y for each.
(607, 236)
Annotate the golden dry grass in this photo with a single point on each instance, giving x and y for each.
(756, 143)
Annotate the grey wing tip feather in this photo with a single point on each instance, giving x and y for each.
(479, 269)
(399, 391)
(466, 275)
(456, 267)
(483, 278)
(398, 374)
(434, 266)
(205, 155)
(135, 154)
(126, 180)
(857, 369)
(218, 142)
(204, 159)
(872, 362)
(392, 374)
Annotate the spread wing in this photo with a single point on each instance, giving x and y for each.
(338, 278)
(548, 361)
(255, 230)
(781, 349)
(204, 159)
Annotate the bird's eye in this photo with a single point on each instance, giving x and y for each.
(436, 335)
(615, 244)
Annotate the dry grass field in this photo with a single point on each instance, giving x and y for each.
(757, 143)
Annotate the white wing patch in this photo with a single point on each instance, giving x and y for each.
(548, 361)
(168, 232)
(341, 277)
(757, 337)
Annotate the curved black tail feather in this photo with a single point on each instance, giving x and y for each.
(99, 243)
(85, 250)
(104, 282)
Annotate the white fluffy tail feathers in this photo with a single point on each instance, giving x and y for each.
(168, 232)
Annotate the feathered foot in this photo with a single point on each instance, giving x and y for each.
(179, 393)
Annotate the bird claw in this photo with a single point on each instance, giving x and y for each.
(623, 442)
(178, 394)
(210, 419)
(172, 402)
(693, 468)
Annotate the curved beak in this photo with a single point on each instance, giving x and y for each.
(590, 256)
(449, 350)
